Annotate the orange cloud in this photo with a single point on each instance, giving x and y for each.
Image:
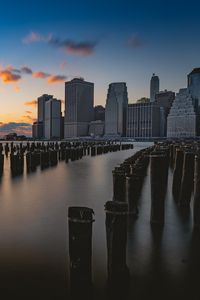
(8, 76)
(40, 74)
(28, 112)
(32, 103)
(27, 118)
(56, 78)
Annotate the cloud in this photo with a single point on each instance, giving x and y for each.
(20, 128)
(28, 112)
(34, 37)
(26, 70)
(135, 41)
(40, 74)
(56, 78)
(27, 118)
(8, 75)
(31, 103)
(83, 48)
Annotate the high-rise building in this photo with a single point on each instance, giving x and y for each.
(182, 119)
(53, 119)
(154, 87)
(41, 109)
(79, 107)
(116, 109)
(165, 99)
(144, 120)
(194, 84)
(96, 128)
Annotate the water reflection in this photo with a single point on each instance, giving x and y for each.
(34, 259)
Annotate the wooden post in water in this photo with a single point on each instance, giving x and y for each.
(158, 184)
(196, 208)
(177, 176)
(80, 251)
(119, 185)
(116, 233)
(187, 181)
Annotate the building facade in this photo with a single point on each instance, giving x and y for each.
(194, 84)
(165, 100)
(96, 128)
(154, 87)
(53, 119)
(41, 110)
(144, 120)
(116, 109)
(37, 130)
(99, 113)
(79, 107)
(182, 119)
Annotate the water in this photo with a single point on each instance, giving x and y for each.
(34, 234)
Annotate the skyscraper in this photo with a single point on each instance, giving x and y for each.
(41, 110)
(52, 119)
(116, 109)
(79, 110)
(154, 87)
(194, 84)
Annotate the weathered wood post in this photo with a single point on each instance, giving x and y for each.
(116, 234)
(80, 250)
(133, 193)
(196, 208)
(187, 181)
(158, 169)
(177, 176)
(119, 185)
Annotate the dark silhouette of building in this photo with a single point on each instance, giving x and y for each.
(99, 113)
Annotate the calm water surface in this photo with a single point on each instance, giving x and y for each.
(34, 234)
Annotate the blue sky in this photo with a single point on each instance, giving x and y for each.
(102, 41)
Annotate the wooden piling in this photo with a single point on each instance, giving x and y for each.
(80, 250)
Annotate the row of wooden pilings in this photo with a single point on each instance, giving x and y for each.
(127, 184)
(46, 155)
(184, 160)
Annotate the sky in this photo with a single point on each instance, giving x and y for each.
(45, 43)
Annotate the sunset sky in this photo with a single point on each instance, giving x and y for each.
(45, 43)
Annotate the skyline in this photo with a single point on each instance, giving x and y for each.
(100, 42)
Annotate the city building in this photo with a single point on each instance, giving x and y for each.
(194, 84)
(165, 99)
(154, 87)
(116, 109)
(53, 119)
(79, 107)
(182, 119)
(41, 110)
(99, 113)
(144, 120)
(96, 128)
(143, 100)
(37, 130)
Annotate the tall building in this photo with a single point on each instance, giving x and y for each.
(116, 109)
(194, 84)
(182, 119)
(53, 119)
(154, 87)
(41, 110)
(165, 99)
(144, 120)
(79, 107)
